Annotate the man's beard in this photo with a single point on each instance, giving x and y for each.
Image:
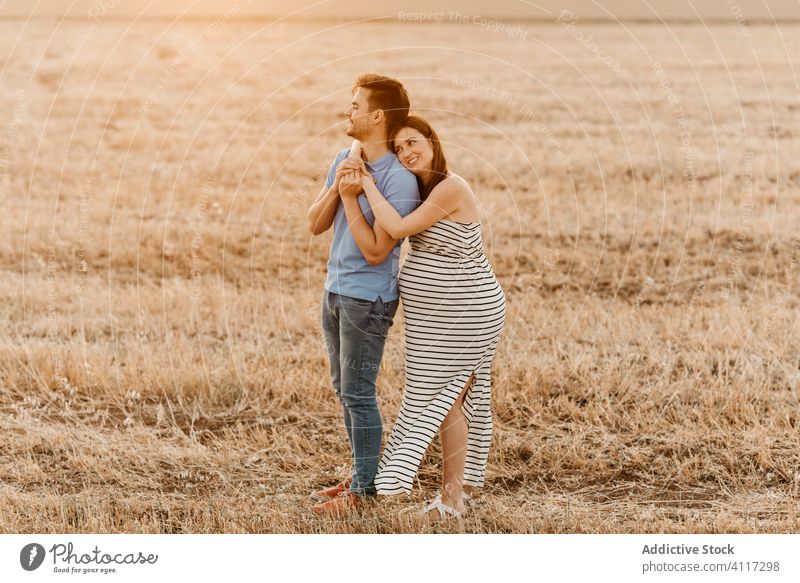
(354, 131)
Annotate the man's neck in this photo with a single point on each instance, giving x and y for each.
(374, 149)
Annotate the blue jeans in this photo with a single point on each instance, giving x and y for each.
(355, 333)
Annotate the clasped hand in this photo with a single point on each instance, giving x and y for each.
(351, 176)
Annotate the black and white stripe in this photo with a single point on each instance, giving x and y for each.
(454, 312)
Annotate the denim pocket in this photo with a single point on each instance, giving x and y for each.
(356, 301)
(382, 316)
(391, 308)
(378, 307)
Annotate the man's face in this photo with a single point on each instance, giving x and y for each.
(359, 126)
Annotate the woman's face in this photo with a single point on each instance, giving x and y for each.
(413, 150)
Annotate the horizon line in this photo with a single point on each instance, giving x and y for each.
(385, 19)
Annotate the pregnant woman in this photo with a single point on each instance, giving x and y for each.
(454, 312)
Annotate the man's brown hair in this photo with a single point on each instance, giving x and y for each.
(387, 94)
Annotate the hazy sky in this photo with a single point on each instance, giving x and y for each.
(540, 9)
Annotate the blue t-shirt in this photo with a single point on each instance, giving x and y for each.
(349, 274)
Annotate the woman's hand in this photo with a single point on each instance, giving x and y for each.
(367, 179)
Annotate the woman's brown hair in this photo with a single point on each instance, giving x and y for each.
(438, 163)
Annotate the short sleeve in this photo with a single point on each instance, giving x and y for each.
(402, 192)
(334, 165)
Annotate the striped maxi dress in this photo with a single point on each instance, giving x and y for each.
(454, 312)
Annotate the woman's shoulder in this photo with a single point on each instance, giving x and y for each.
(452, 185)
(455, 193)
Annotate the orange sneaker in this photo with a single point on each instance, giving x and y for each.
(339, 507)
(333, 491)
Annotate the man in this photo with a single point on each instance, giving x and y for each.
(361, 296)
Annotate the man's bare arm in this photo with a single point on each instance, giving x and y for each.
(323, 210)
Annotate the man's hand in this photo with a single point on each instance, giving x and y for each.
(349, 174)
(351, 164)
(350, 185)
(346, 166)
(322, 212)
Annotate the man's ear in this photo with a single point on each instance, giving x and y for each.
(377, 116)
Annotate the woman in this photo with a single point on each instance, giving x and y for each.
(454, 312)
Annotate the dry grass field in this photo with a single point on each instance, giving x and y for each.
(162, 363)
